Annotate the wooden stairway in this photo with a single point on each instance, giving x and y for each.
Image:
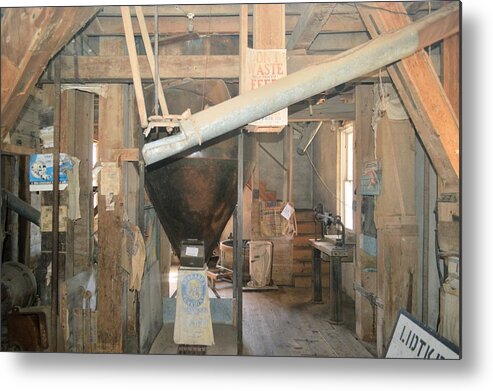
(302, 251)
(265, 195)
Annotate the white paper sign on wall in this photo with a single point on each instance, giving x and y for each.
(412, 339)
(265, 66)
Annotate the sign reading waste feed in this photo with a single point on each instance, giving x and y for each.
(265, 66)
(412, 339)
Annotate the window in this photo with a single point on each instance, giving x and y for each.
(345, 182)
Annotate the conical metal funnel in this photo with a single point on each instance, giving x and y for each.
(195, 195)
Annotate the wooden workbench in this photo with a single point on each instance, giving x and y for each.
(335, 255)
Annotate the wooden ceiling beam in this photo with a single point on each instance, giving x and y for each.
(334, 108)
(420, 88)
(309, 25)
(228, 25)
(30, 37)
(207, 10)
(116, 69)
(221, 9)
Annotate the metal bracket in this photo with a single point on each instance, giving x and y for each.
(371, 297)
(166, 121)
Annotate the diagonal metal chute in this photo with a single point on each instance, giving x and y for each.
(246, 108)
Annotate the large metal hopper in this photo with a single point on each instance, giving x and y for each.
(195, 195)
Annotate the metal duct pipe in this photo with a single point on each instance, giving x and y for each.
(253, 105)
(21, 207)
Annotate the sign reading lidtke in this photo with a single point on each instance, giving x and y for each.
(412, 339)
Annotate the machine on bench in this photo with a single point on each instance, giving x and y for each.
(335, 254)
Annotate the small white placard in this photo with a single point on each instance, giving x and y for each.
(192, 251)
(287, 212)
(412, 339)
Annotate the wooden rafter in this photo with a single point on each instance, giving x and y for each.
(310, 23)
(134, 65)
(420, 90)
(30, 38)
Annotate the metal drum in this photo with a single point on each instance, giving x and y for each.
(226, 255)
(18, 286)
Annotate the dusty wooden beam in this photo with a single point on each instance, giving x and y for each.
(229, 25)
(30, 37)
(216, 10)
(309, 25)
(420, 89)
(117, 68)
(11, 149)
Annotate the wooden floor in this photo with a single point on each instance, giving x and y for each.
(286, 323)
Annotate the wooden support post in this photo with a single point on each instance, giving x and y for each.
(365, 272)
(287, 161)
(396, 223)
(290, 166)
(268, 33)
(243, 47)
(24, 225)
(13, 216)
(110, 279)
(133, 178)
(57, 272)
(68, 146)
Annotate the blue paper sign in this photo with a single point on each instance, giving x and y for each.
(371, 178)
(41, 171)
